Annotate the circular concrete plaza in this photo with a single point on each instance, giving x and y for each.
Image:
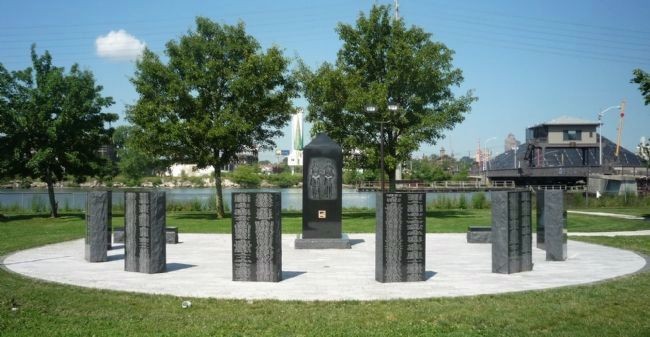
(201, 266)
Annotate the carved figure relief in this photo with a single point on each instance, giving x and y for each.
(322, 179)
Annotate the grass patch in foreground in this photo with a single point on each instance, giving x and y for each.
(616, 308)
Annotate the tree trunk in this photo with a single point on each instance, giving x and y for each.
(391, 179)
(219, 199)
(53, 204)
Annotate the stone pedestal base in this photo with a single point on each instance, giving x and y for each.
(479, 234)
(342, 243)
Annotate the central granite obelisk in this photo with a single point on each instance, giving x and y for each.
(322, 196)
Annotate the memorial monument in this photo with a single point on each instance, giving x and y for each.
(511, 232)
(322, 196)
(256, 237)
(144, 231)
(400, 237)
(551, 224)
(98, 226)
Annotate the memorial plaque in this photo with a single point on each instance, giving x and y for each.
(144, 229)
(551, 224)
(256, 237)
(400, 237)
(511, 232)
(98, 224)
(322, 196)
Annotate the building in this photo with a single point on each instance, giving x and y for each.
(191, 170)
(563, 151)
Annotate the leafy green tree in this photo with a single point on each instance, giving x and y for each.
(382, 61)
(643, 80)
(52, 123)
(219, 94)
(133, 163)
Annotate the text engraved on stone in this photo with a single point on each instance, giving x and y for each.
(393, 241)
(242, 245)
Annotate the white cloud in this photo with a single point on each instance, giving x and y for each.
(119, 46)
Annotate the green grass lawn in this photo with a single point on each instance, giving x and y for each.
(615, 308)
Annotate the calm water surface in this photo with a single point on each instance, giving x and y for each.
(76, 198)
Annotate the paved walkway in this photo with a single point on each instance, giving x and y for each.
(201, 266)
(625, 233)
(612, 215)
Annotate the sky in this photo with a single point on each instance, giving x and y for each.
(527, 61)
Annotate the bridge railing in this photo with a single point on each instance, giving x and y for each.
(439, 185)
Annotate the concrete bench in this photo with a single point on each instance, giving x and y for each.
(171, 235)
(479, 234)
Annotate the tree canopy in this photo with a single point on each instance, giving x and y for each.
(382, 61)
(52, 122)
(219, 94)
(643, 80)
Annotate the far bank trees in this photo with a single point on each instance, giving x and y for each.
(217, 95)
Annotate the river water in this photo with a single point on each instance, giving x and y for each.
(35, 199)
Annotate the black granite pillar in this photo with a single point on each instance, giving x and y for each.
(400, 237)
(256, 237)
(144, 231)
(322, 195)
(98, 224)
(551, 224)
(511, 232)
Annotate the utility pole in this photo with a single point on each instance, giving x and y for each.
(620, 129)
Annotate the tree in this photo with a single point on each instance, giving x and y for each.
(382, 61)
(133, 163)
(52, 122)
(218, 95)
(643, 80)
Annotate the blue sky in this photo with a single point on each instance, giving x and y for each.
(527, 61)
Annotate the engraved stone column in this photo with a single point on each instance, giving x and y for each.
(322, 196)
(256, 237)
(144, 229)
(98, 222)
(400, 237)
(551, 224)
(511, 232)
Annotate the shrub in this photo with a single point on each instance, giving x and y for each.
(284, 179)
(479, 201)
(246, 176)
(462, 202)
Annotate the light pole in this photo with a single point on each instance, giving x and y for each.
(373, 109)
(487, 166)
(600, 136)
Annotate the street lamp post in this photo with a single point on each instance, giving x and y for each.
(600, 136)
(487, 164)
(373, 109)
